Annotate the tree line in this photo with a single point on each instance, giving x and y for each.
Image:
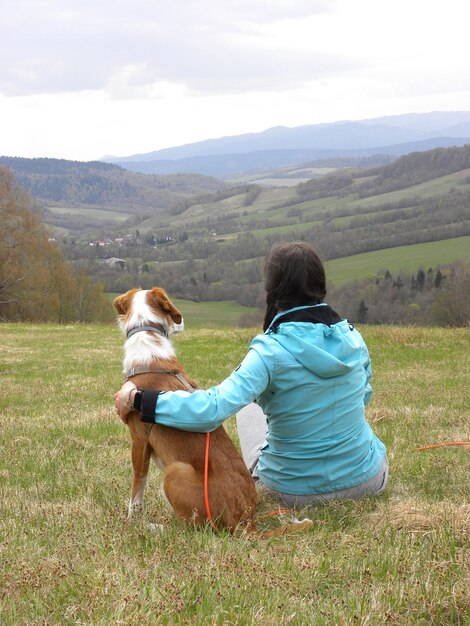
(434, 296)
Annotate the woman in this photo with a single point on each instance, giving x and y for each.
(304, 383)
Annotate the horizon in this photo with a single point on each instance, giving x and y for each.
(104, 158)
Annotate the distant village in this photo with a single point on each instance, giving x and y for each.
(130, 240)
(126, 241)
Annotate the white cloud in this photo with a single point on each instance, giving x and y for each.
(71, 45)
(80, 78)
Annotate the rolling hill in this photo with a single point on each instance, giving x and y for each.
(407, 214)
(83, 197)
(411, 212)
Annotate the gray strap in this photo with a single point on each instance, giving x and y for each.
(152, 329)
(133, 371)
(184, 382)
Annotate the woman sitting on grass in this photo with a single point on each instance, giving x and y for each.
(299, 394)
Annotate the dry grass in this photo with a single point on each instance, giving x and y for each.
(416, 516)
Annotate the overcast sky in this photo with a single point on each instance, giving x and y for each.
(83, 78)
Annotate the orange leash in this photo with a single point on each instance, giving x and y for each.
(206, 482)
(446, 443)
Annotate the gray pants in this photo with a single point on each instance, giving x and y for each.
(252, 428)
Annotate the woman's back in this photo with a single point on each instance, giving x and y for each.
(318, 439)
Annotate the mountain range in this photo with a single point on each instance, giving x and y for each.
(280, 146)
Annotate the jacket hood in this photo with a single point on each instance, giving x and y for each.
(325, 350)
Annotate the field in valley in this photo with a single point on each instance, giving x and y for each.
(209, 314)
(401, 258)
(68, 556)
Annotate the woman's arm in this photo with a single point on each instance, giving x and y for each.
(201, 411)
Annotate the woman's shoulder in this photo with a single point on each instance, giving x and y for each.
(264, 344)
(263, 339)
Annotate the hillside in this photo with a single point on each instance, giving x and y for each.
(209, 246)
(407, 171)
(380, 199)
(104, 186)
(281, 146)
(219, 240)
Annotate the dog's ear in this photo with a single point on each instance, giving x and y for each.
(163, 301)
(123, 303)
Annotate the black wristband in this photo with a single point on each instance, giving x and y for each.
(138, 399)
(148, 405)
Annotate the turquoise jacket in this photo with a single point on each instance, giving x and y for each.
(312, 382)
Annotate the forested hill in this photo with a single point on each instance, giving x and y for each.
(411, 169)
(75, 183)
(419, 167)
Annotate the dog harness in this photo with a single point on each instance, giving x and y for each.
(133, 371)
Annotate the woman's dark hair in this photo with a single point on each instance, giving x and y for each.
(294, 277)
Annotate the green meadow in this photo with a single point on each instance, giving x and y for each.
(68, 556)
(400, 258)
(89, 212)
(209, 314)
(429, 189)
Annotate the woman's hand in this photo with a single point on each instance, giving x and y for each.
(123, 399)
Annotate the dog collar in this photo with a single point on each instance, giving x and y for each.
(153, 329)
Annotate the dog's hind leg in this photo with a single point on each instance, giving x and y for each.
(184, 491)
(141, 452)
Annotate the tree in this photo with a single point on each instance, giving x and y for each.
(362, 313)
(36, 283)
(420, 280)
(438, 279)
(398, 283)
(23, 248)
(452, 306)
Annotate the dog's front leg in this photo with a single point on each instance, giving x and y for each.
(141, 452)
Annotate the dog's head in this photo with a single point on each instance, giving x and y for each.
(138, 307)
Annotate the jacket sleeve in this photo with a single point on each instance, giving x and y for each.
(205, 410)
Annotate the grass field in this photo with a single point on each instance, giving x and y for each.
(68, 556)
(90, 212)
(209, 314)
(430, 189)
(407, 258)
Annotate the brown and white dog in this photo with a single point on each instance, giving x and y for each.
(148, 318)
